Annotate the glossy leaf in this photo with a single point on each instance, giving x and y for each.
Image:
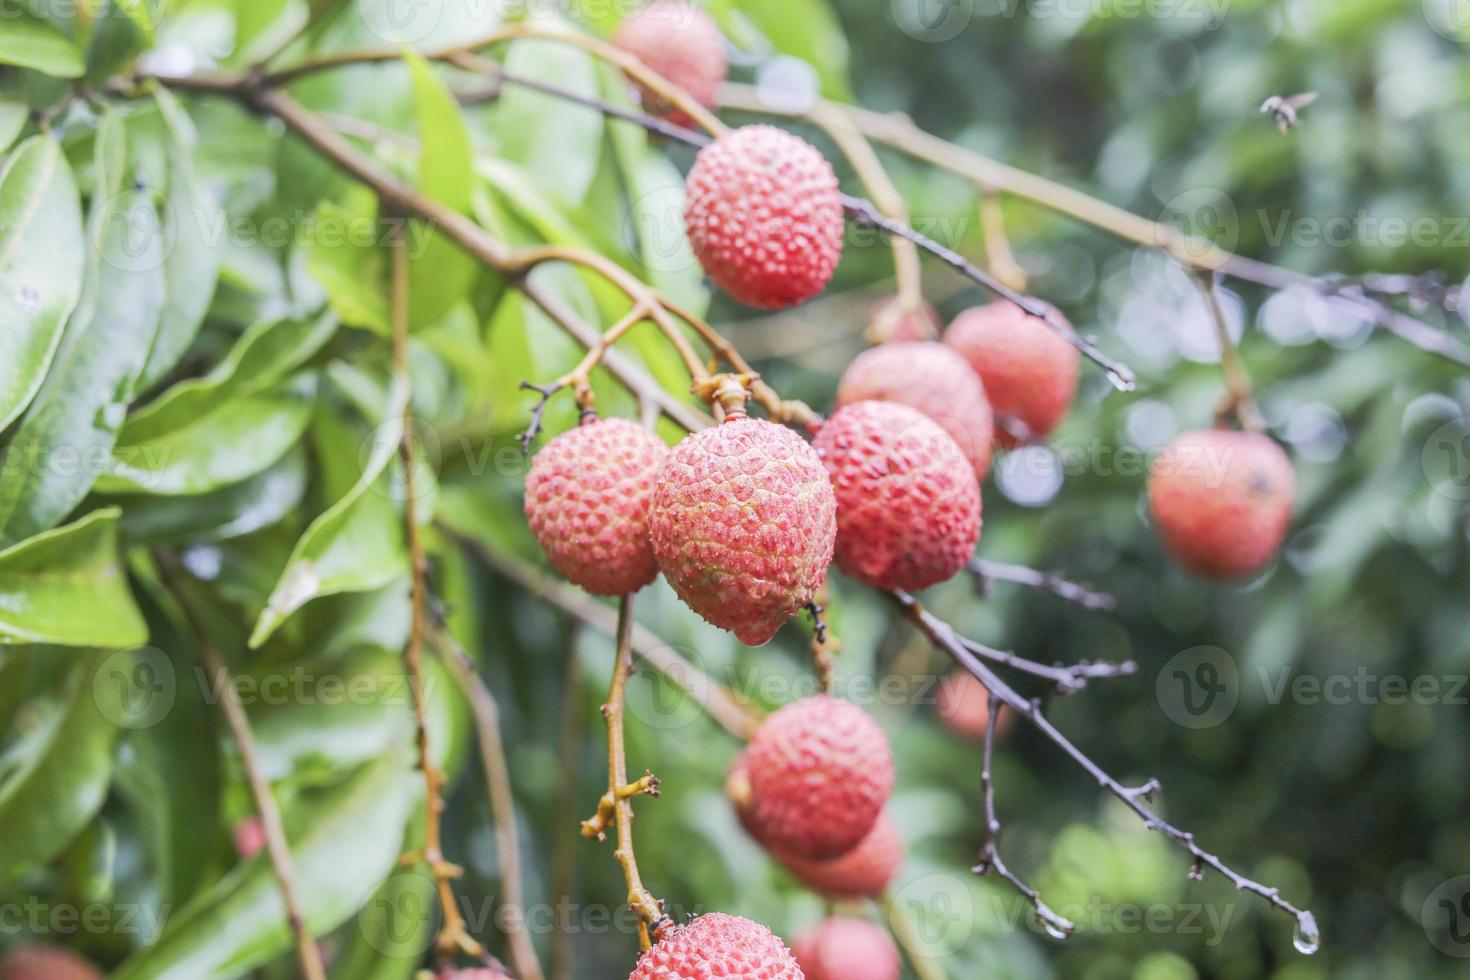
(71, 426)
(440, 272)
(355, 545)
(30, 43)
(229, 512)
(55, 775)
(211, 432)
(67, 587)
(40, 267)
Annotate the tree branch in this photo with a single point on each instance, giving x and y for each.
(994, 571)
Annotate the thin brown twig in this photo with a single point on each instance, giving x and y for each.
(1239, 403)
(453, 936)
(994, 571)
(276, 845)
(486, 710)
(942, 635)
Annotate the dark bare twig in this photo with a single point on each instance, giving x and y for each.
(990, 859)
(986, 572)
(1068, 679)
(537, 414)
(944, 636)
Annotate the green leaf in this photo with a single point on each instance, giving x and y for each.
(193, 218)
(344, 842)
(356, 545)
(350, 271)
(30, 43)
(55, 776)
(41, 248)
(74, 421)
(394, 930)
(214, 431)
(240, 509)
(553, 139)
(123, 30)
(66, 587)
(805, 29)
(440, 272)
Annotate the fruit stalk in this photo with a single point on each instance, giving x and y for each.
(1239, 403)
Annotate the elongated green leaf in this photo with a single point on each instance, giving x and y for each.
(194, 220)
(352, 272)
(344, 842)
(230, 512)
(55, 777)
(67, 588)
(355, 545)
(214, 431)
(30, 43)
(74, 421)
(40, 267)
(440, 272)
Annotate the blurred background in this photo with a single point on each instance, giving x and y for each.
(1329, 756)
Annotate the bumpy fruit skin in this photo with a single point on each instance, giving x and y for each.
(764, 216)
(587, 500)
(1222, 500)
(682, 43)
(45, 963)
(863, 872)
(743, 525)
(932, 378)
(841, 948)
(818, 773)
(963, 705)
(718, 947)
(1030, 372)
(908, 506)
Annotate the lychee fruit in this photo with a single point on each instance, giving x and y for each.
(1222, 500)
(682, 43)
(587, 500)
(863, 872)
(842, 948)
(1030, 372)
(764, 216)
(891, 323)
(743, 524)
(716, 946)
(813, 779)
(37, 962)
(963, 705)
(908, 506)
(249, 836)
(933, 378)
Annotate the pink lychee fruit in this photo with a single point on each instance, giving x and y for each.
(863, 872)
(842, 948)
(682, 43)
(717, 946)
(963, 705)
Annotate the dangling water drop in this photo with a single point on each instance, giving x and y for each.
(1053, 930)
(1307, 939)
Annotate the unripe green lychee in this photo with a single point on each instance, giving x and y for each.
(843, 948)
(1030, 372)
(932, 378)
(764, 216)
(813, 779)
(1222, 500)
(717, 946)
(587, 500)
(908, 506)
(743, 524)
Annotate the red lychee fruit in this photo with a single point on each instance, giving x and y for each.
(1030, 372)
(963, 705)
(908, 506)
(933, 378)
(46, 963)
(743, 524)
(842, 948)
(814, 779)
(764, 216)
(863, 872)
(716, 946)
(682, 43)
(890, 323)
(1222, 500)
(587, 500)
(249, 837)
